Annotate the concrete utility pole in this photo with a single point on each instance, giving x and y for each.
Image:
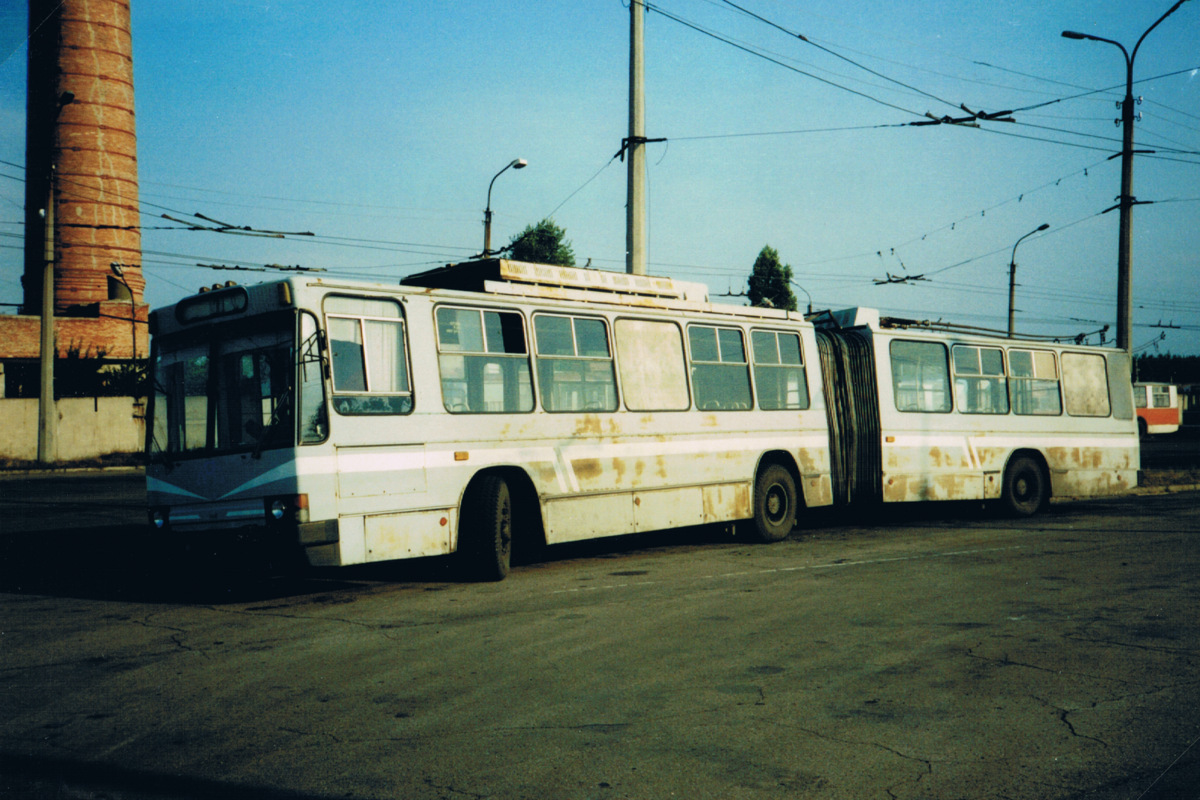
(635, 204)
(1127, 201)
(47, 450)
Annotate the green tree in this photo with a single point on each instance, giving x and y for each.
(770, 281)
(543, 243)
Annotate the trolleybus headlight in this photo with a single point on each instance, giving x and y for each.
(158, 518)
(293, 508)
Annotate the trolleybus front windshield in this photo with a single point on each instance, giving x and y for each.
(224, 388)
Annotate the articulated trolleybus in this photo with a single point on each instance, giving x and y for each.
(497, 400)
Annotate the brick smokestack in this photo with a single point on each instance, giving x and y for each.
(82, 47)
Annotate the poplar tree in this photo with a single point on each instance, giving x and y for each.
(543, 243)
(771, 281)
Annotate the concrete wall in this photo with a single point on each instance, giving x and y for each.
(87, 427)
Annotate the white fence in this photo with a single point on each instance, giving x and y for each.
(88, 427)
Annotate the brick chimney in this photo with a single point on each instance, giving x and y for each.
(80, 127)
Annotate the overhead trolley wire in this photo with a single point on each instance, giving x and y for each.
(836, 54)
(777, 62)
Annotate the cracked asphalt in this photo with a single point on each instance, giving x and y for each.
(938, 653)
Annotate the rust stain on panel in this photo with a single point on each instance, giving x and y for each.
(1093, 483)
(945, 486)
(586, 469)
(727, 502)
(992, 458)
(588, 425)
(818, 491)
(810, 462)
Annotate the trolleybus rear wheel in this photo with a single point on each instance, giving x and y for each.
(775, 503)
(1026, 488)
(485, 545)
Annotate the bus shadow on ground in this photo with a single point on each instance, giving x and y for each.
(116, 563)
(34, 777)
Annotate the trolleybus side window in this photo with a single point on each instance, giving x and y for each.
(370, 362)
(575, 364)
(1139, 396)
(779, 378)
(920, 376)
(484, 361)
(653, 370)
(979, 383)
(1085, 383)
(1160, 397)
(1033, 382)
(720, 376)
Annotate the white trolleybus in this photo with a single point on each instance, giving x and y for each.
(496, 400)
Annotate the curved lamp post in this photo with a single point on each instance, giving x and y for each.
(118, 270)
(516, 163)
(806, 294)
(1012, 275)
(1126, 201)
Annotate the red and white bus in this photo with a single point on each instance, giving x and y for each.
(1158, 409)
(499, 401)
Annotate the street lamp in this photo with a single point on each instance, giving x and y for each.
(806, 294)
(1012, 275)
(1126, 200)
(516, 163)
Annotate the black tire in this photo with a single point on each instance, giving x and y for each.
(775, 504)
(1026, 487)
(486, 531)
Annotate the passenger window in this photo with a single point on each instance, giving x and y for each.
(653, 370)
(1161, 397)
(1085, 382)
(575, 365)
(779, 379)
(720, 377)
(920, 376)
(484, 361)
(1034, 383)
(368, 356)
(979, 383)
(1139, 396)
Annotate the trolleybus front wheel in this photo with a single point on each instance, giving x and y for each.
(775, 503)
(485, 538)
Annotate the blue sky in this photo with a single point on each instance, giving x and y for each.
(378, 128)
